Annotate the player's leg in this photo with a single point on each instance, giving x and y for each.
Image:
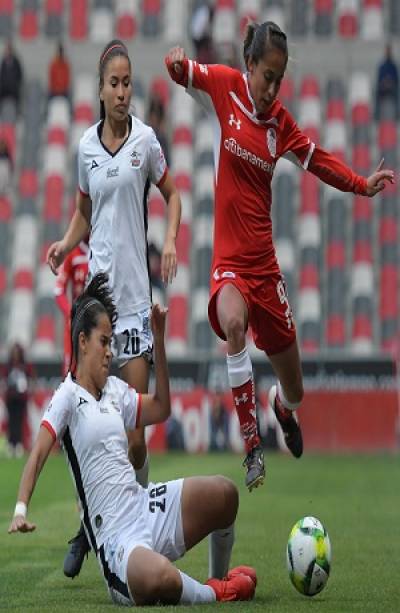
(286, 396)
(232, 315)
(136, 373)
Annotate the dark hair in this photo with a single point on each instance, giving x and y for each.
(113, 49)
(260, 38)
(94, 300)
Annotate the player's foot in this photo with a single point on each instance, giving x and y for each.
(288, 423)
(74, 559)
(239, 587)
(249, 571)
(254, 463)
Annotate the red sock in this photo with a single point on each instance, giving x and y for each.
(245, 405)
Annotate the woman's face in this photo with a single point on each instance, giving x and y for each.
(116, 91)
(265, 78)
(95, 352)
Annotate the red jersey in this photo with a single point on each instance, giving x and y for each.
(247, 146)
(73, 273)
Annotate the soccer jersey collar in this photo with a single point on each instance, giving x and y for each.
(253, 115)
(100, 133)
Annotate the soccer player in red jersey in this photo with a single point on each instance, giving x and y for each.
(70, 284)
(252, 130)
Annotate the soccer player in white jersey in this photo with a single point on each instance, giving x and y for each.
(119, 157)
(134, 532)
(252, 130)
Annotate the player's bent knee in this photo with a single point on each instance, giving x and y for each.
(229, 499)
(160, 583)
(235, 328)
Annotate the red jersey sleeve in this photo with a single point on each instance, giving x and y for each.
(332, 171)
(62, 280)
(296, 146)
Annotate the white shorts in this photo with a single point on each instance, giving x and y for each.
(163, 518)
(133, 338)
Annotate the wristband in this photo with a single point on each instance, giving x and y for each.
(20, 509)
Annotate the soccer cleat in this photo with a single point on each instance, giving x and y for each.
(254, 462)
(238, 587)
(74, 559)
(249, 571)
(288, 423)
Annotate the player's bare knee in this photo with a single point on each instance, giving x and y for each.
(229, 501)
(235, 329)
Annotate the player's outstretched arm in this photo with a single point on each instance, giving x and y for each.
(169, 262)
(156, 407)
(77, 230)
(177, 65)
(33, 466)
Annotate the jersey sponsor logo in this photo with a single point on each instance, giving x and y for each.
(135, 159)
(271, 141)
(113, 172)
(94, 165)
(234, 122)
(283, 299)
(203, 68)
(227, 274)
(231, 145)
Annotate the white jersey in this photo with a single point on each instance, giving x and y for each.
(118, 185)
(93, 435)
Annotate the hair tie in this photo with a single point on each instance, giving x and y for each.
(110, 49)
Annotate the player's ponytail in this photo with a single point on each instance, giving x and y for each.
(261, 37)
(111, 50)
(94, 300)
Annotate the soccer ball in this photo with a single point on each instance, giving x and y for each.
(308, 556)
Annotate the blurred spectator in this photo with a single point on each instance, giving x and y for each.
(10, 76)
(156, 120)
(219, 423)
(174, 434)
(6, 167)
(155, 267)
(228, 55)
(59, 75)
(200, 29)
(18, 374)
(387, 85)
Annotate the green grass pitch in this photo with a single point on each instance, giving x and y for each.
(356, 497)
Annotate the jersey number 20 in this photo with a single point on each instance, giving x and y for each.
(132, 345)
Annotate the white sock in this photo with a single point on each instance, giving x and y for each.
(142, 474)
(194, 592)
(220, 543)
(240, 369)
(292, 406)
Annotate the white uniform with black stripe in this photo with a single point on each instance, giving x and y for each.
(118, 185)
(118, 514)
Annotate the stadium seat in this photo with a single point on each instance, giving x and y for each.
(323, 17)
(224, 22)
(248, 11)
(53, 18)
(78, 19)
(175, 20)
(6, 18)
(151, 13)
(299, 18)
(394, 17)
(28, 25)
(347, 18)
(372, 20)
(127, 12)
(101, 24)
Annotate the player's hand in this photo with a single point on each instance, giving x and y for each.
(376, 182)
(56, 255)
(175, 58)
(20, 524)
(168, 261)
(158, 321)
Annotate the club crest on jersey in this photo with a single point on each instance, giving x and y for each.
(135, 159)
(271, 141)
(234, 122)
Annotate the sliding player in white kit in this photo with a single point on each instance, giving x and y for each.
(134, 532)
(119, 157)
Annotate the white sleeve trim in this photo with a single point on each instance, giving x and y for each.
(292, 157)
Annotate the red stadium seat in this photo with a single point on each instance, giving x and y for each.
(361, 159)
(178, 317)
(336, 254)
(347, 23)
(7, 132)
(3, 279)
(78, 19)
(83, 112)
(182, 136)
(286, 91)
(183, 182)
(309, 193)
(360, 114)
(362, 208)
(335, 330)
(362, 252)
(126, 26)
(5, 209)
(54, 7)
(335, 110)
(387, 134)
(28, 184)
(46, 328)
(28, 26)
(151, 7)
(309, 87)
(183, 244)
(388, 291)
(362, 327)
(309, 277)
(56, 136)
(6, 6)
(53, 198)
(160, 87)
(156, 206)
(23, 279)
(388, 230)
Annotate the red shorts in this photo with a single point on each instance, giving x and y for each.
(270, 315)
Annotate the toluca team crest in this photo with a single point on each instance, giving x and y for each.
(135, 160)
(271, 141)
